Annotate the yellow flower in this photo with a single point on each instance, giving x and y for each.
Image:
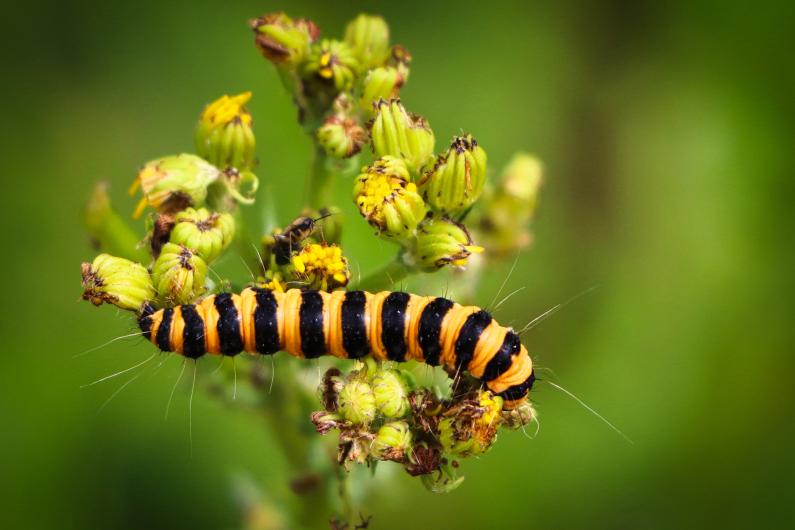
(224, 134)
(226, 108)
(388, 199)
(321, 266)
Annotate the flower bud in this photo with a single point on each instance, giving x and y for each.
(456, 180)
(380, 83)
(178, 274)
(387, 199)
(357, 403)
(391, 393)
(395, 132)
(509, 209)
(321, 267)
(224, 136)
(332, 61)
(341, 138)
(441, 242)
(171, 183)
(470, 428)
(206, 233)
(116, 281)
(392, 441)
(282, 40)
(368, 37)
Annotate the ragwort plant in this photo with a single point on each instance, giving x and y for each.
(440, 211)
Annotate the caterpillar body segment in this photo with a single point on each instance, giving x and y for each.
(393, 326)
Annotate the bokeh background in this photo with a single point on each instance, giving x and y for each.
(666, 131)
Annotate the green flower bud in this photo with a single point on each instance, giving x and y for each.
(116, 281)
(392, 441)
(396, 133)
(388, 199)
(368, 37)
(380, 83)
(179, 274)
(332, 61)
(509, 209)
(206, 233)
(341, 138)
(171, 183)
(224, 135)
(391, 393)
(470, 428)
(282, 40)
(357, 403)
(457, 178)
(441, 242)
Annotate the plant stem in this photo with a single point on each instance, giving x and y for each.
(387, 276)
(110, 230)
(321, 181)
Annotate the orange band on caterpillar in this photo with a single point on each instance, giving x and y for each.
(393, 326)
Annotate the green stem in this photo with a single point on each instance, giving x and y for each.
(387, 276)
(321, 181)
(110, 230)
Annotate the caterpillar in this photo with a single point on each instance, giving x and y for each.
(394, 326)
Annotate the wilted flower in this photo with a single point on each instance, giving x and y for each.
(520, 415)
(470, 427)
(116, 281)
(171, 183)
(282, 40)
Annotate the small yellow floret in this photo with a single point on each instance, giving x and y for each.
(322, 266)
(226, 108)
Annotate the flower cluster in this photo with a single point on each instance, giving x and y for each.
(183, 236)
(348, 94)
(381, 414)
(347, 91)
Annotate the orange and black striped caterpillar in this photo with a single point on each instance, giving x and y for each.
(396, 326)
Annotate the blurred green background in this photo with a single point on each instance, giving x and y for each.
(666, 130)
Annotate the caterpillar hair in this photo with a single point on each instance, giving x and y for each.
(394, 326)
